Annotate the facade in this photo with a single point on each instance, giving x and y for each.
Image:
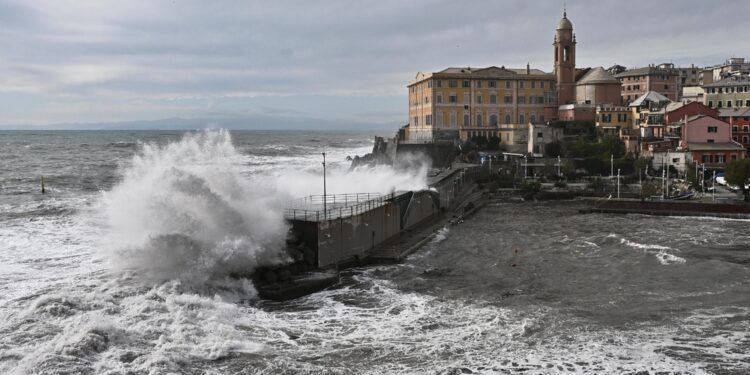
(610, 119)
(540, 136)
(489, 102)
(728, 93)
(648, 112)
(709, 141)
(577, 112)
(636, 82)
(692, 94)
(739, 120)
(598, 87)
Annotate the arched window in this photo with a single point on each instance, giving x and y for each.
(566, 53)
(479, 119)
(507, 118)
(493, 120)
(466, 119)
(493, 99)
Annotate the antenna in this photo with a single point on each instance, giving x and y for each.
(565, 10)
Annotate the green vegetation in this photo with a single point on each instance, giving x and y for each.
(738, 173)
(530, 188)
(648, 189)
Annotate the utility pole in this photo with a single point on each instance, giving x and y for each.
(325, 212)
(558, 166)
(713, 187)
(611, 166)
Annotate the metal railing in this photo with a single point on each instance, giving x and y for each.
(336, 206)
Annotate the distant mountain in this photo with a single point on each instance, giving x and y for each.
(258, 122)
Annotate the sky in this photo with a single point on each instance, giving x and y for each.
(316, 64)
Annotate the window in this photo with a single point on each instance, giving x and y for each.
(467, 98)
(428, 120)
(465, 84)
(427, 99)
(745, 128)
(533, 84)
(735, 128)
(466, 119)
(710, 103)
(507, 118)
(493, 120)
(521, 118)
(747, 103)
(492, 84)
(566, 53)
(453, 119)
(479, 99)
(533, 118)
(705, 158)
(416, 120)
(541, 84)
(532, 99)
(507, 84)
(508, 99)
(452, 83)
(439, 119)
(709, 141)
(520, 84)
(729, 104)
(540, 99)
(439, 83)
(521, 100)
(479, 119)
(666, 87)
(452, 98)
(745, 140)
(493, 99)
(738, 103)
(479, 84)
(675, 160)
(541, 118)
(429, 84)
(540, 135)
(719, 102)
(720, 158)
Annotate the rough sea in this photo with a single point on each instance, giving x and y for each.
(123, 267)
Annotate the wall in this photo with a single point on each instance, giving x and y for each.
(696, 131)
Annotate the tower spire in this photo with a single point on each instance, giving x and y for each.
(565, 10)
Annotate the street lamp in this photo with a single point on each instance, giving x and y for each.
(325, 212)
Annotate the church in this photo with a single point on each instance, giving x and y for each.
(498, 101)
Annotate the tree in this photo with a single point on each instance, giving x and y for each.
(738, 173)
(553, 149)
(640, 165)
(493, 143)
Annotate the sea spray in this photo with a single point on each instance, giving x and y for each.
(183, 210)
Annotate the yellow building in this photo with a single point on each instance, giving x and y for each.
(489, 102)
(610, 119)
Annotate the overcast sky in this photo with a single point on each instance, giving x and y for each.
(101, 61)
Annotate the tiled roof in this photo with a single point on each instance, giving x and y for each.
(715, 147)
(731, 81)
(649, 70)
(597, 75)
(651, 96)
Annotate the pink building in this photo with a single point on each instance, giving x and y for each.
(709, 141)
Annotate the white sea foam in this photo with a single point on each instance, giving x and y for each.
(662, 252)
(184, 210)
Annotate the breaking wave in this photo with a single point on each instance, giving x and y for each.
(184, 211)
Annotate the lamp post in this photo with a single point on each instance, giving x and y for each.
(611, 166)
(618, 183)
(325, 212)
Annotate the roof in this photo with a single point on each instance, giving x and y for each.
(651, 96)
(647, 71)
(734, 112)
(715, 147)
(731, 81)
(597, 75)
(564, 23)
(493, 70)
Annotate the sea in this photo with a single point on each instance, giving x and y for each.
(129, 264)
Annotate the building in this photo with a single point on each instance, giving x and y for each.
(610, 119)
(677, 111)
(637, 82)
(739, 120)
(689, 76)
(597, 87)
(692, 94)
(489, 102)
(577, 112)
(709, 141)
(735, 66)
(648, 112)
(540, 136)
(728, 93)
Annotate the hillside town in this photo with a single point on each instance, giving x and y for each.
(681, 121)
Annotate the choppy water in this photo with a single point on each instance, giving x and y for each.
(122, 268)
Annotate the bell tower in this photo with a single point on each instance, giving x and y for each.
(565, 61)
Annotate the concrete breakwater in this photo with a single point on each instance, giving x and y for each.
(671, 208)
(337, 231)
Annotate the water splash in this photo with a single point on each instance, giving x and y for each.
(183, 210)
